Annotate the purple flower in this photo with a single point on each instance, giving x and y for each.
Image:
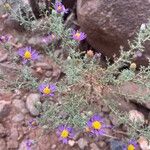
(5, 38)
(29, 143)
(27, 54)
(65, 133)
(47, 89)
(78, 36)
(32, 123)
(60, 8)
(96, 125)
(132, 145)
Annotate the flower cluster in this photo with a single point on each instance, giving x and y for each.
(95, 124)
(28, 54)
(78, 36)
(60, 8)
(132, 145)
(65, 133)
(47, 89)
(5, 38)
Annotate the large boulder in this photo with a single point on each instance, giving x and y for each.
(111, 23)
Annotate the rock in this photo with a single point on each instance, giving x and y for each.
(130, 90)
(4, 109)
(14, 134)
(69, 4)
(109, 24)
(82, 143)
(32, 100)
(3, 57)
(3, 132)
(71, 142)
(22, 146)
(53, 146)
(20, 106)
(18, 118)
(12, 144)
(44, 65)
(144, 144)
(116, 145)
(105, 109)
(2, 144)
(136, 116)
(48, 73)
(94, 146)
(102, 144)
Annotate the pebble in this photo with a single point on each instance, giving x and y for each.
(136, 116)
(2, 144)
(144, 144)
(31, 101)
(53, 146)
(3, 58)
(2, 131)
(105, 109)
(14, 133)
(71, 143)
(44, 65)
(102, 144)
(20, 106)
(18, 118)
(12, 144)
(82, 143)
(48, 74)
(94, 146)
(4, 109)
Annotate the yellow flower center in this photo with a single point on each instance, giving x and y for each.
(77, 34)
(96, 125)
(59, 8)
(64, 134)
(27, 55)
(47, 90)
(131, 147)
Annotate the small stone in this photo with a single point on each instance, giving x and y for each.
(48, 74)
(3, 58)
(144, 144)
(11, 144)
(94, 146)
(31, 102)
(82, 143)
(53, 146)
(56, 73)
(22, 146)
(2, 144)
(44, 66)
(71, 143)
(17, 92)
(4, 109)
(14, 134)
(18, 118)
(20, 106)
(2, 131)
(113, 119)
(105, 109)
(102, 144)
(39, 70)
(136, 116)
(116, 145)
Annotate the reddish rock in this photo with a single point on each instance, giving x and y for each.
(2, 145)
(110, 24)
